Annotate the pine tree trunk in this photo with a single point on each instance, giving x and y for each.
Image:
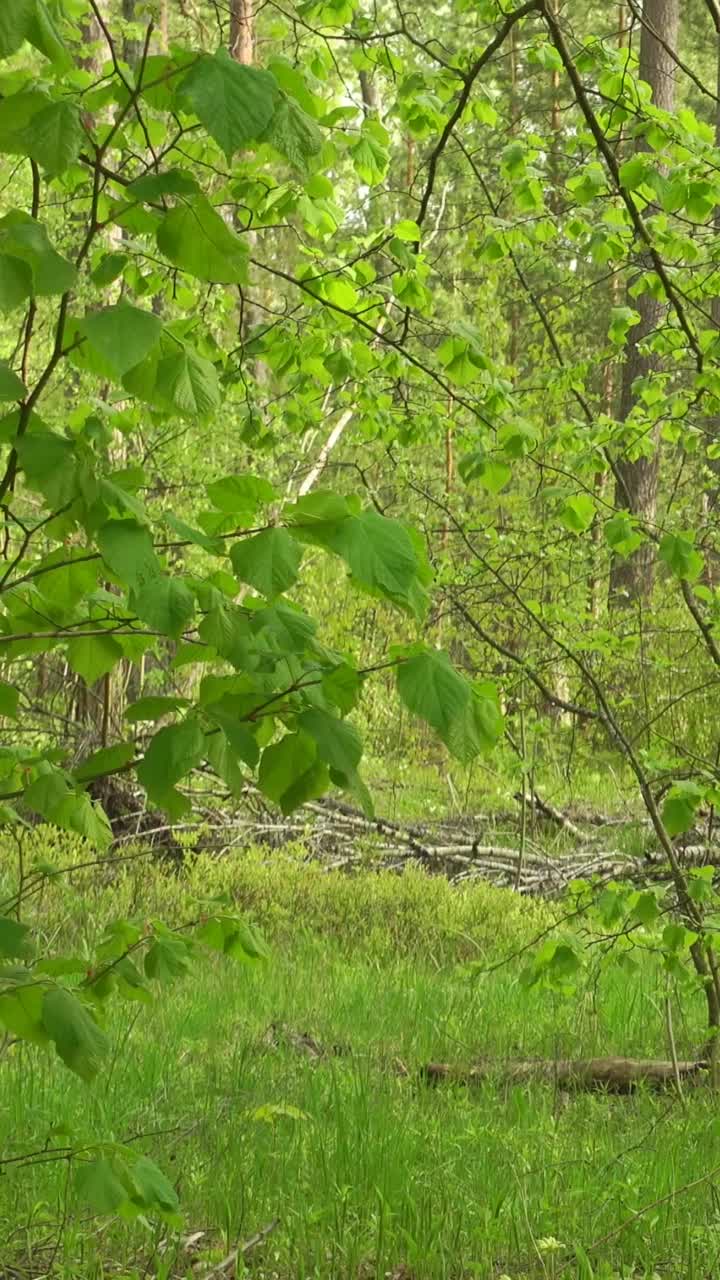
(631, 580)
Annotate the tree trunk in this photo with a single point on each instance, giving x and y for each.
(242, 31)
(631, 580)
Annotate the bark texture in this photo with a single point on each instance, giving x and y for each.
(631, 580)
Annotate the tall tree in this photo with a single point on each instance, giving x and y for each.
(631, 579)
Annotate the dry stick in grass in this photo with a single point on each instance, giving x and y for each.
(242, 1250)
(654, 1204)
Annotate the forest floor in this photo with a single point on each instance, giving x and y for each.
(286, 1102)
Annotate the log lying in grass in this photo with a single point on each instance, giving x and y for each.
(614, 1075)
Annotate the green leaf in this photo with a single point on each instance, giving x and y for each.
(234, 102)
(165, 604)
(173, 182)
(407, 230)
(11, 386)
(54, 136)
(370, 153)
(93, 656)
(167, 959)
(172, 753)
(646, 909)
(105, 761)
(622, 319)
(578, 513)
(681, 556)
(50, 466)
(621, 535)
(29, 265)
(380, 554)
(153, 707)
(152, 1190)
(99, 1184)
(293, 133)
(54, 799)
(77, 1038)
(14, 18)
(189, 383)
(21, 1011)
(338, 743)
(195, 238)
(341, 686)
(121, 335)
(290, 773)
(110, 266)
(681, 805)
(127, 549)
(9, 697)
(240, 493)
(14, 939)
(269, 561)
(468, 720)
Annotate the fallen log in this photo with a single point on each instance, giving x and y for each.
(613, 1075)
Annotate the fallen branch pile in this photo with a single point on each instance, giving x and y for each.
(462, 849)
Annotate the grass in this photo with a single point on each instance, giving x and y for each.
(368, 1172)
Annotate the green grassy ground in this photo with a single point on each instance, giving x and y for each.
(368, 1172)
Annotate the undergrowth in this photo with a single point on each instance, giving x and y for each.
(364, 1171)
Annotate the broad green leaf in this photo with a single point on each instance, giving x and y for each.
(168, 958)
(407, 230)
(466, 719)
(40, 31)
(195, 238)
(342, 686)
(93, 656)
(122, 335)
(9, 697)
(29, 265)
(227, 630)
(379, 553)
(240, 493)
(268, 561)
(14, 19)
(171, 755)
(680, 807)
(110, 266)
(69, 575)
(578, 513)
(21, 1012)
(681, 556)
(189, 382)
(77, 1037)
(293, 133)
(338, 743)
(646, 909)
(11, 386)
(174, 182)
(105, 761)
(49, 462)
(289, 772)
(153, 707)
(54, 136)
(370, 153)
(165, 604)
(14, 939)
(622, 319)
(152, 1190)
(52, 796)
(621, 535)
(99, 1184)
(127, 549)
(234, 102)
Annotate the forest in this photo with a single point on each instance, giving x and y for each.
(359, 639)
